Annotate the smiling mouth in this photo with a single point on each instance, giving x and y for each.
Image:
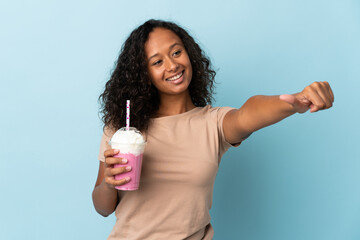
(176, 77)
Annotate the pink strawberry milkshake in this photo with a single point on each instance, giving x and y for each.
(131, 145)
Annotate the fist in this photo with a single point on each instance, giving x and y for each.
(317, 96)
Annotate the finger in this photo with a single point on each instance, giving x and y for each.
(121, 181)
(312, 95)
(111, 152)
(327, 85)
(119, 170)
(111, 181)
(324, 94)
(115, 160)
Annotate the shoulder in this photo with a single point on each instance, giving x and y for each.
(108, 131)
(216, 112)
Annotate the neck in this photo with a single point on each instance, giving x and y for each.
(174, 104)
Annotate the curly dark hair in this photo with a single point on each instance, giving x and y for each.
(130, 79)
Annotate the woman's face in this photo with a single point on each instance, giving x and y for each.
(168, 64)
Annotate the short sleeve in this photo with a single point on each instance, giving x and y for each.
(223, 144)
(104, 143)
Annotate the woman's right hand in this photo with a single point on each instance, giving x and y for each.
(111, 171)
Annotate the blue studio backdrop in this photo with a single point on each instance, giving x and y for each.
(298, 179)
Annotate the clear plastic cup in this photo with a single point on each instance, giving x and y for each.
(133, 152)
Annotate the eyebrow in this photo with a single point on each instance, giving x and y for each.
(171, 47)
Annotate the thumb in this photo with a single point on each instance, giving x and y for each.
(299, 106)
(288, 98)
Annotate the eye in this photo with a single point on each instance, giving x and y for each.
(177, 53)
(157, 62)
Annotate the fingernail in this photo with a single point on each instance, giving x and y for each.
(124, 160)
(127, 179)
(128, 168)
(116, 151)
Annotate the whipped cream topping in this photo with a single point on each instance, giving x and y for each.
(130, 141)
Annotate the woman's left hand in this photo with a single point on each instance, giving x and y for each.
(317, 96)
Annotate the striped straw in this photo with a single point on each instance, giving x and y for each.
(127, 115)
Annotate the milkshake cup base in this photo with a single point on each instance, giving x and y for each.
(127, 188)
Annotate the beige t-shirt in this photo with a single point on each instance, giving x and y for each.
(180, 163)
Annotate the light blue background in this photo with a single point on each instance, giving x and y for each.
(297, 180)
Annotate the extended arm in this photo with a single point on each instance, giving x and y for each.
(261, 111)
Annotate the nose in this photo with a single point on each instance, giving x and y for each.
(171, 65)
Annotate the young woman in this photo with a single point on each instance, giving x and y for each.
(170, 83)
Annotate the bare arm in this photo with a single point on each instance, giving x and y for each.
(104, 195)
(261, 111)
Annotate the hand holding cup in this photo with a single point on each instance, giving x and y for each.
(111, 171)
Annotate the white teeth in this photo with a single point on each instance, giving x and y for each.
(175, 77)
